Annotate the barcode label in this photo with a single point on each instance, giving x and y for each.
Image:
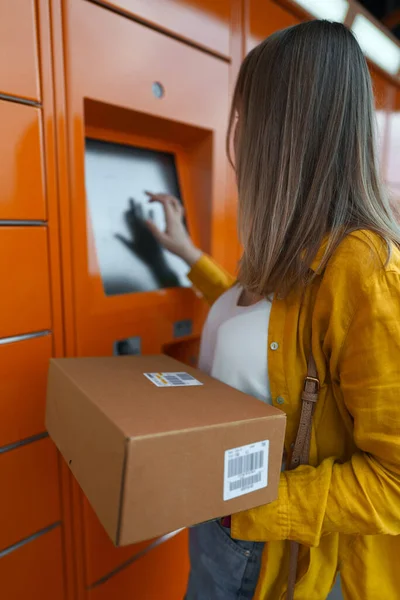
(245, 482)
(245, 464)
(172, 379)
(246, 469)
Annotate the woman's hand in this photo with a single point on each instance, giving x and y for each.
(175, 238)
(144, 244)
(142, 241)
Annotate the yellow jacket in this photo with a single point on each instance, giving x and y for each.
(345, 507)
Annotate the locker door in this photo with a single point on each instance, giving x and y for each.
(205, 22)
(19, 74)
(264, 18)
(33, 568)
(21, 164)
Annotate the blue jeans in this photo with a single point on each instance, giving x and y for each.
(222, 568)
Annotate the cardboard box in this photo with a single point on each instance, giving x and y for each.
(154, 453)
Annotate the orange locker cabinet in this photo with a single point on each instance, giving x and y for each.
(19, 74)
(157, 93)
(382, 92)
(192, 114)
(34, 570)
(22, 397)
(264, 17)
(195, 84)
(102, 557)
(24, 271)
(149, 577)
(203, 22)
(29, 500)
(21, 168)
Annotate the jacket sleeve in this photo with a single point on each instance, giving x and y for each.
(210, 279)
(361, 496)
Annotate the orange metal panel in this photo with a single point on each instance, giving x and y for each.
(203, 22)
(133, 57)
(22, 399)
(381, 89)
(34, 571)
(191, 120)
(101, 555)
(49, 166)
(265, 17)
(29, 500)
(383, 96)
(25, 301)
(21, 168)
(55, 132)
(182, 119)
(51, 584)
(128, 70)
(59, 199)
(18, 62)
(186, 351)
(397, 101)
(78, 538)
(154, 576)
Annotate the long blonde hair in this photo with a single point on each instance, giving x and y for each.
(302, 124)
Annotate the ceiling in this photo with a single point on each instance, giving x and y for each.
(387, 11)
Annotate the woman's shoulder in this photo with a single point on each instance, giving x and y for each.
(358, 304)
(362, 278)
(363, 272)
(364, 255)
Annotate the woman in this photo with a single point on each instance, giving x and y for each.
(320, 276)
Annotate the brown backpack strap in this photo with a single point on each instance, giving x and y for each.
(301, 450)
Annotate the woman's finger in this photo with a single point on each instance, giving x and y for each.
(160, 198)
(165, 199)
(175, 203)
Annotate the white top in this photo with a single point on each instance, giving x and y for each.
(234, 344)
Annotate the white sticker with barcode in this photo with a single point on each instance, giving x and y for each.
(172, 379)
(246, 469)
